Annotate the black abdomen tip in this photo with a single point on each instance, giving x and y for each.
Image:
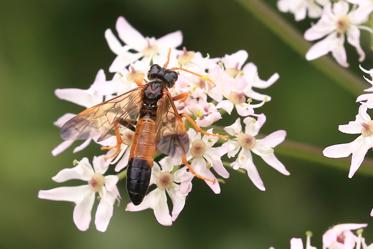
(138, 177)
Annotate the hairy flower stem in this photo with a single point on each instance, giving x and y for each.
(288, 34)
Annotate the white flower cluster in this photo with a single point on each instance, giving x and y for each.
(341, 236)
(363, 126)
(215, 86)
(337, 20)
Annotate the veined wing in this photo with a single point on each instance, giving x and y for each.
(99, 120)
(171, 136)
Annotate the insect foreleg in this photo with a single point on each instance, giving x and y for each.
(117, 147)
(191, 170)
(181, 97)
(128, 123)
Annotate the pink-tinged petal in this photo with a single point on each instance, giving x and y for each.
(322, 47)
(83, 171)
(353, 37)
(339, 53)
(235, 60)
(82, 146)
(274, 139)
(63, 119)
(296, 243)
(330, 237)
(111, 184)
(62, 147)
(171, 40)
(358, 155)
(269, 157)
(72, 194)
(245, 161)
(235, 128)
(338, 150)
(156, 200)
(217, 164)
(226, 105)
(82, 212)
(123, 60)
(199, 166)
(231, 147)
(340, 8)
(123, 162)
(371, 213)
(77, 96)
(104, 212)
(113, 42)
(363, 116)
(253, 125)
(244, 109)
(129, 35)
(178, 201)
(100, 164)
(350, 128)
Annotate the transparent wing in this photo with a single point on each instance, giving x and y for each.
(171, 137)
(98, 121)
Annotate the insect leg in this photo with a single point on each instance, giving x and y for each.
(182, 97)
(117, 147)
(191, 170)
(199, 129)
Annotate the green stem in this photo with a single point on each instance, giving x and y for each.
(288, 34)
(122, 175)
(314, 154)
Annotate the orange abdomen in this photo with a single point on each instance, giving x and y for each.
(143, 144)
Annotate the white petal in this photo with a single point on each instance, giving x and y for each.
(82, 146)
(83, 171)
(245, 161)
(231, 147)
(269, 157)
(100, 164)
(226, 105)
(123, 60)
(171, 40)
(62, 147)
(216, 162)
(72, 194)
(104, 212)
(113, 42)
(82, 212)
(178, 201)
(296, 243)
(339, 53)
(156, 200)
(235, 128)
(322, 47)
(63, 119)
(244, 109)
(274, 139)
(358, 157)
(77, 96)
(199, 165)
(129, 35)
(350, 128)
(123, 161)
(353, 37)
(338, 150)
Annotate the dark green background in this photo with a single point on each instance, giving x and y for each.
(57, 44)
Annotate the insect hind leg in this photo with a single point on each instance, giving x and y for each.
(191, 170)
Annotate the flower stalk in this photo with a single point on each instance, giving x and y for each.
(288, 34)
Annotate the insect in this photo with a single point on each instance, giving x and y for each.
(148, 110)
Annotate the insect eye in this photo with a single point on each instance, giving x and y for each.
(170, 77)
(154, 71)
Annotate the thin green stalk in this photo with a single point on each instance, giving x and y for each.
(314, 154)
(288, 34)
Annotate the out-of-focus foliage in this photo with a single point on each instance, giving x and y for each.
(57, 44)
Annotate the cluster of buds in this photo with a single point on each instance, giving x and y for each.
(337, 20)
(215, 86)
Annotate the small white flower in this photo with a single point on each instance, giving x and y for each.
(297, 243)
(362, 125)
(245, 142)
(147, 48)
(83, 196)
(301, 8)
(341, 236)
(337, 22)
(177, 184)
(204, 157)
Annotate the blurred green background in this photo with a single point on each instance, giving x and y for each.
(46, 45)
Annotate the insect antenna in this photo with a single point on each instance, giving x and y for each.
(202, 77)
